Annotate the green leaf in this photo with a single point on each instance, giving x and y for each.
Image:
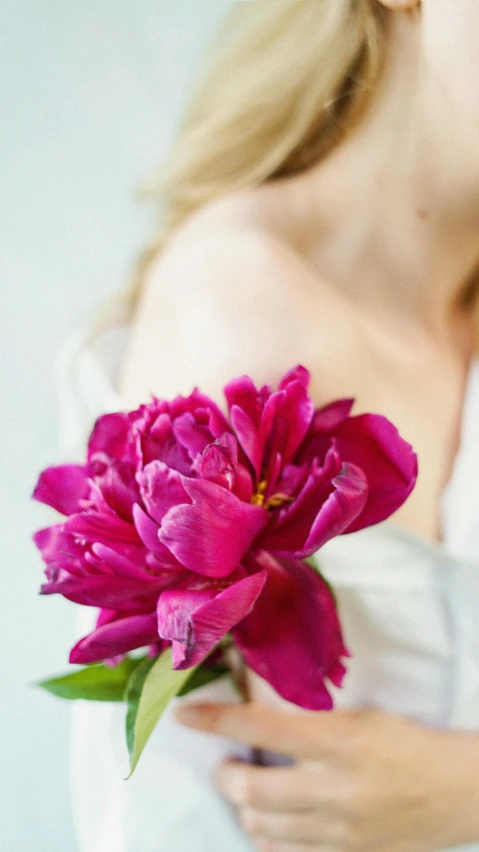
(93, 683)
(203, 675)
(148, 693)
(132, 697)
(198, 676)
(310, 560)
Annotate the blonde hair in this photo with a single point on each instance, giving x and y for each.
(284, 82)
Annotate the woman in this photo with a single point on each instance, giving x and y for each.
(322, 207)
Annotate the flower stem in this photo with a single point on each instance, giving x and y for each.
(239, 676)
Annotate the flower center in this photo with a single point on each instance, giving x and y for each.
(258, 496)
(275, 500)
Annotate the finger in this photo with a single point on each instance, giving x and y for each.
(271, 788)
(295, 827)
(308, 734)
(308, 786)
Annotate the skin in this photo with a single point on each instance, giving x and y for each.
(378, 317)
(363, 780)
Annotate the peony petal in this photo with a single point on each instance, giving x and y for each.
(194, 402)
(292, 479)
(110, 435)
(273, 472)
(330, 416)
(117, 484)
(242, 393)
(248, 438)
(108, 592)
(161, 488)
(292, 638)
(105, 616)
(371, 442)
(224, 463)
(217, 422)
(148, 531)
(152, 433)
(195, 621)
(219, 461)
(193, 436)
(338, 671)
(106, 528)
(116, 637)
(271, 434)
(243, 484)
(270, 413)
(60, 550)
(295, 374)
(269, 424)
(95, 566)
(211, 536)
(292, 420)
(62, 487)
(291, 525)
(340, 510)
(169, 452)
(121, 565)
(161, 427)
(146, 528)
(335, 515)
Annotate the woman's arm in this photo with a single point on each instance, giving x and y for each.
(364, 780)
(223, 300)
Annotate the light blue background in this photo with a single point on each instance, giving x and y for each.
(89, 96)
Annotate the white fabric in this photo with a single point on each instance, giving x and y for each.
(409, 610)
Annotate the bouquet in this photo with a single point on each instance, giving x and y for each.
(192, 532)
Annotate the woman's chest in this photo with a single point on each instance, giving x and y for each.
(391, 366)
(427, 406)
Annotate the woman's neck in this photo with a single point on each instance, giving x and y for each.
(391, 216)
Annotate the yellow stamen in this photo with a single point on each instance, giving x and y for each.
(273, 502)
(258, 496)
(257, 499)
(278, 500)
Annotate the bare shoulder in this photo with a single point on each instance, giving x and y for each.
(227, 296)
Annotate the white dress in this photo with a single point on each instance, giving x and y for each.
(410, 611)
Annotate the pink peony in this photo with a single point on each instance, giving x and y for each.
(183, 526)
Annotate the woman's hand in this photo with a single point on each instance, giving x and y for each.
(364, 779)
